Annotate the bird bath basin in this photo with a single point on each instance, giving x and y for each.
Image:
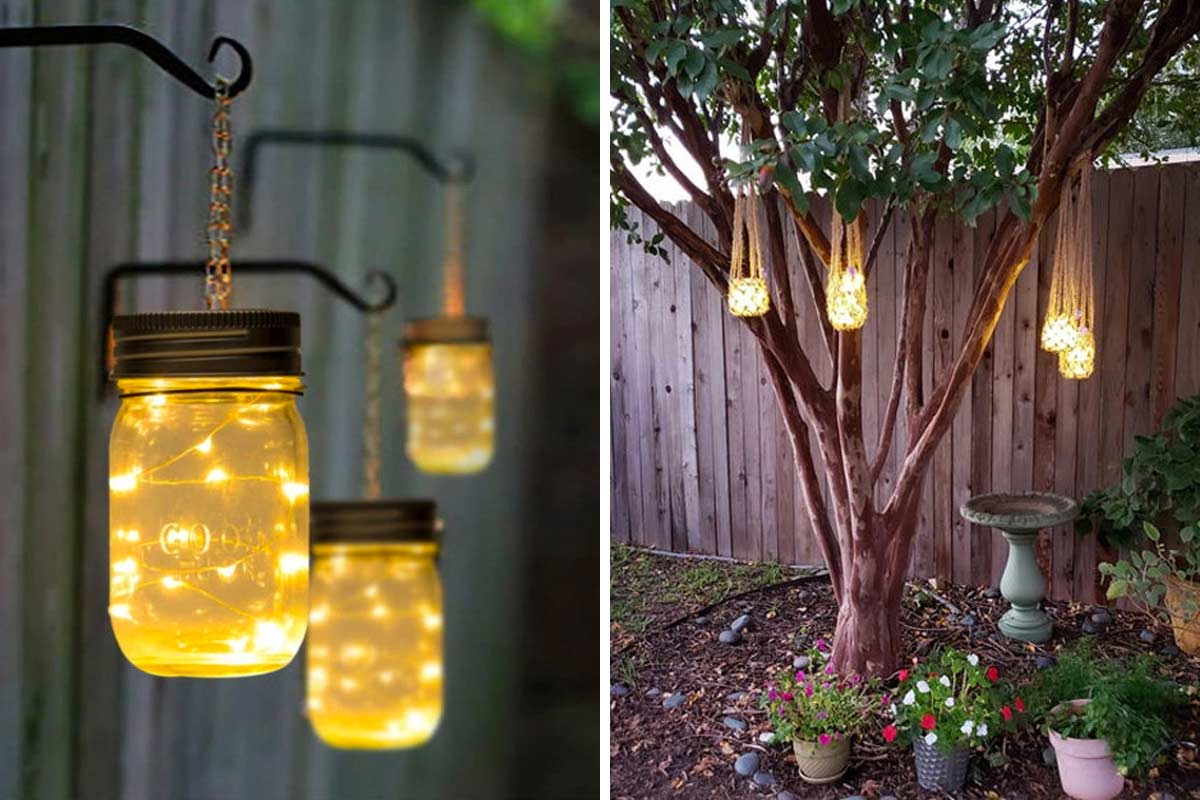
(1019, 517)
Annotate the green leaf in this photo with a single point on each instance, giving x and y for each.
(849, 198)
(723, 37)
(733, 68)
(1187, 534)
(695, 61)
(1151, 532)
(953, 135)
(707, 81)
(794, 121)
(1005, 161)
(655, 48)
(842, 6)
(676, 52)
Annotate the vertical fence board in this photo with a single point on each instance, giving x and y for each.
(981, 422)
(962, 275)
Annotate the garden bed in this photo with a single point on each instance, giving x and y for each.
(664, 639)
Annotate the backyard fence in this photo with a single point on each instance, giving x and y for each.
(700, 458)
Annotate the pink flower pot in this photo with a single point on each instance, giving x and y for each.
(1085, 766)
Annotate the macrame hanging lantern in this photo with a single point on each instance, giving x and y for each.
(448, 375)
(846, 291)
(374, 653)
(208, 476)
(748, 293)
(1068, 327)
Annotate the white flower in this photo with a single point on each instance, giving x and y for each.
(967, 727)
(911, 697)
(949, 702)
(981, 731)
(931, 738)
(973, 660)
(922, 687)
(892, 709)
(944, 681)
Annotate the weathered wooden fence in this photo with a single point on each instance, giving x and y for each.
(701, 461)
(103, 159)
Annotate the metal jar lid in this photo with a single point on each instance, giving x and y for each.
(373, 521)
(440, 330)
(202, 344)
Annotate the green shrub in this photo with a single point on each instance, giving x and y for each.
(1131, 706)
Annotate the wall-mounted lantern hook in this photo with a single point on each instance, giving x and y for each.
(156, 51)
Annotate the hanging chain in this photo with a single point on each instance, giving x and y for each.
(453, 300)
(372, 427)
(218, 281)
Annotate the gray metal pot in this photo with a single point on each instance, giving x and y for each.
(941, 771)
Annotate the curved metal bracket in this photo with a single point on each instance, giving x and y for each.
(160, 54)
(459, 166)
(133, 269)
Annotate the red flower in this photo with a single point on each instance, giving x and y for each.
(1020, 705)
(928, 722)
(993, 674)
(889, 733)
(903, 676)
(1006, 712)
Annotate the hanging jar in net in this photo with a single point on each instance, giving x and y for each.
(846, 289)
(1069, 326)
(748, 293)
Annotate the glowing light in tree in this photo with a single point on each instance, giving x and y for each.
(846, 290)
(748, 294)
(1068, 328)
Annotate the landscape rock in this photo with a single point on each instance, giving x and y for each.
(741, 623)
(1102, 617)
(1092, 628)
(991, 593)
(1147, 637)
(1169, 650)
(653, 691)
(764, 779)
(1049, 757)
(735, 724)
(619, 690)
(701, 620)
(675, 701)
(1044, 662)
(967, 620)
(786, 795)
(747, 764)
(801, 662)
(730, 637)
(735, 697)
(766, 737)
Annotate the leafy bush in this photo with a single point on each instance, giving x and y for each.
(1131, 704)
(1161, 483)
(952, 701)
(816, 704)
(1143, 575)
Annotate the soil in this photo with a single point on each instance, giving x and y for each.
(688, 752)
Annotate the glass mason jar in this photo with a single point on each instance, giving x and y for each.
(208, 493)
(451, 394)
(375, 627)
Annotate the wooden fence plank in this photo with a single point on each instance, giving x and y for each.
(1187, 362)
(736, 416)
(685, 399)
(981, 422)
(962, 274)
(1168, 274)
(617, 383)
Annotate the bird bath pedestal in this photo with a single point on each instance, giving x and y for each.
(1019, 517)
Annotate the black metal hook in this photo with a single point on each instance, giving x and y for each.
(459, 166)
(250, 266)
(160, 54)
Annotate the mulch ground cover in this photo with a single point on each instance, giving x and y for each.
(689, 751)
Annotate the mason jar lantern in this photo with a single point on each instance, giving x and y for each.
(208, 493)
(450, 389)
(374, 678)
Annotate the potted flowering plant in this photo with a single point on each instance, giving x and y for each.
(819, 712)
(946, 708)
(1105, 719)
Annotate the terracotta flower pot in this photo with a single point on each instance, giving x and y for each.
(936, 770)
(1085, 766)
(822, 763)
(1185, 625)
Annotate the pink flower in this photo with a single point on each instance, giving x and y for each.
(820, 643)
(886, 698)
(808, 691)
(903, 675)
(889, 733)
(821, 715)
(771, 694)
(787, 695)
(829, 669)
(825, 686)
(824, 739)
(855, 679)
(800, 676)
